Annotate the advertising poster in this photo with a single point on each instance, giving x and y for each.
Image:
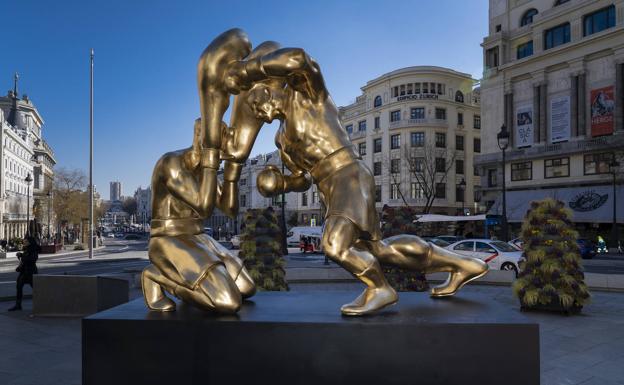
(602, 108)
(559, 119)
(524, 126)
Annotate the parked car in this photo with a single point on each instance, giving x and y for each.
(498, 255)
(450, 238)
(236, 241)
(517, 243)
(439, 242)
(132, 237)
(587, 248)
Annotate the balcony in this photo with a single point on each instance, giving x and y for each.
(357, 135)
(418, 123)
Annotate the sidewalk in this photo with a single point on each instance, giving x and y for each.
(585, 349)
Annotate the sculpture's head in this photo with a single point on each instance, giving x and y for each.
(267, 100)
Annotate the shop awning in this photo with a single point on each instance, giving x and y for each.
(592, 204)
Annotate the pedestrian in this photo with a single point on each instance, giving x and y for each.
(27, 268)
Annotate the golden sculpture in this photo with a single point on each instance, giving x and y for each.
(285, 84)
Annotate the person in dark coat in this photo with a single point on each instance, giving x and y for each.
(26, 268)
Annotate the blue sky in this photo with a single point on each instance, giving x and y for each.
(146, 54)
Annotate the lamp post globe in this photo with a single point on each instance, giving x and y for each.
(503, 142)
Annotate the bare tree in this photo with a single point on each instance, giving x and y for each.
(395, 175)
(429, 165)
(70, 200)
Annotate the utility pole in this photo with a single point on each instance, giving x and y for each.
(91, 161)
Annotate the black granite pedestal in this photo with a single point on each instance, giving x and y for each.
(301, 338)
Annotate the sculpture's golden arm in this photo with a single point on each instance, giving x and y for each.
(299, 180)
(227, 198)
(183, 186)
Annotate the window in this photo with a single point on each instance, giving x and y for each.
(395, 166)
(475, 171)
(459, 97)
(499, 27)
(476, 122)
(491, 57)
(304, 218)
(425, 88)
(377, 193)
(527, 18)
(476, 195)
(476, 145)
(492, 178)
(460, 119)
(417, 139)
(464, 246)
(524, 50)
(395, 141)
(482, 247)
(416, 191)
(559, 2)
(395, 116)
(377, 101)
(440, 164)
(349, 128)
(440, 89)
(314, 197)
(362, 148)
(597, 163)
(377, 168)
(377, 123)
(417, 88)
(459, 166)
(394, 191)
(243, 200)
(395, 92)
(402, 89)
(377, 145)
(440, 113)
(440, 140)
(459, 194)
(440, 192)
(459, 143)
(556, 168)
(417, 113)
(522, 171)
(557, 36)
(304, 199)
(362, 125)
(409, 88)
(417, 164)
(242, 182)
(599, 20)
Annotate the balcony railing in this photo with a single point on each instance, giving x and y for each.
(418, 122)
(357, 134)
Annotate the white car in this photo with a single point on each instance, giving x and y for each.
(497, 254)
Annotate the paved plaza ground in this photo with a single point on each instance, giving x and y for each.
(585, 349)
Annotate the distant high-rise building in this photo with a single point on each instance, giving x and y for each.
(115, 191)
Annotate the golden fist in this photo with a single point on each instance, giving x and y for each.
(270, 182)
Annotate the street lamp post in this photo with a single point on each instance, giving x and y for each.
(462, 185)
(49, 194)
(503, 142)
(28, 180)
(614, 167)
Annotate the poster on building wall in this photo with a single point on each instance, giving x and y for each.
(524, 126)
(559, 119)
(602, 108)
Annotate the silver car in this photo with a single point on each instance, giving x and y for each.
(498, 255)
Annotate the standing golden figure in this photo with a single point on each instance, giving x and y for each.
(285, 84)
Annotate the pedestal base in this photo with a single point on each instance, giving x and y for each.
(301, 338)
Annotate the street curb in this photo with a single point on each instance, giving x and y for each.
(594, 281)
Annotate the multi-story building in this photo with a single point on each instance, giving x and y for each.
(26, 158)
(115, 191)
(143, 198)
(554, 76)
(418, 129)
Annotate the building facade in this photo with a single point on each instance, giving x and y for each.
(143, 198)
(554, 75)
(26, 170)
(115, 191)
(418, 128)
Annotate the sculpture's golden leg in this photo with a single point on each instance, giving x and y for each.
(215, 292)
(234, 267)
(153, 292)
(413, 253)
(338, 237)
